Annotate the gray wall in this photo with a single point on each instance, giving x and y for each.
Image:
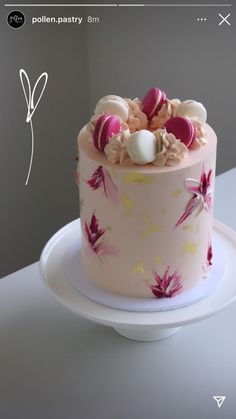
(128, 52)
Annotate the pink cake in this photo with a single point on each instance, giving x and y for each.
(146, 177)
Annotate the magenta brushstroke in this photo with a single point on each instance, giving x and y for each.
(95, 236)
(202, 196)
(101, 178)
(209, 255)
(166, 286)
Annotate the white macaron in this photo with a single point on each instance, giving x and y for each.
(114, 105)
(142, 147)
(192, 109)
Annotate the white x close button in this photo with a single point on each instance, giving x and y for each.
(224, 19)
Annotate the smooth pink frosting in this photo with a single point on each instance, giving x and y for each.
(141, 205)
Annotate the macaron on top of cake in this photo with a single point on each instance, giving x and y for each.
(153, 101)
(106, 126)
(182, 128)
(192, 109)
(114, 105)
(143, 143)
(142, 147)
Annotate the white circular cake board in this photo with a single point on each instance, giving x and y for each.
(141, 326)
(74, 272)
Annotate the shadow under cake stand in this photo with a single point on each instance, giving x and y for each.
(136, 325)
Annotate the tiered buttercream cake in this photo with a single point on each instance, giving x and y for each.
(146, 177)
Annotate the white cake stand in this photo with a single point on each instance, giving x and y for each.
(140, 326)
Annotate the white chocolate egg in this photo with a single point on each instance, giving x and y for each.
(192, 109)
(114, 105)
(142, 147)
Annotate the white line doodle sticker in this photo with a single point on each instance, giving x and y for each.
(31, 107)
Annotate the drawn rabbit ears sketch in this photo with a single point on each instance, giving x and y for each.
(29, 93)
(32, 105)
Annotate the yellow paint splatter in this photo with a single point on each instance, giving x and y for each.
(157, 259)
(139, 268)
(177, 193)
(189, 247)
(133, 177)
(191, 227)
(128, 204)
(188, 227)
(150, 227)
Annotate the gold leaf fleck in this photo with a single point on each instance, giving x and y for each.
(134, 177)
(150, 227)
(188, 227)
(177, 193)
(138, 268)
(157, 259)
(128, 204)
(189, 247)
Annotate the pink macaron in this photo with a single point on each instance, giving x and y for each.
(182, 128)
(153, 101)
(106, 126)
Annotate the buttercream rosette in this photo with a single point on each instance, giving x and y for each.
(200, 139)
(137, 119)
(170, 150)
(166, 112)
(91, 125)
(116, 151)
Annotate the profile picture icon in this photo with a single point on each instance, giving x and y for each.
(16, 19)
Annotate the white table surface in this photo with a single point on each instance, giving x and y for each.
(55, 365)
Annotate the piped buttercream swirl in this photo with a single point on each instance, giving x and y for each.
(91, 125)
(116, 151)
(165, 113)
(200, 139)
(170, 150)
(137, 119)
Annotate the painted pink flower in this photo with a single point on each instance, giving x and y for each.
(166, 286)
(209, 255)
(202, 195)
(95, 236)
(101, 178)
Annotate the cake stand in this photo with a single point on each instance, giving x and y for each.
(140, 326)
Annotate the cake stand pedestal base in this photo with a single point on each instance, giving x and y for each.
(138, 326)
(147, 335)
